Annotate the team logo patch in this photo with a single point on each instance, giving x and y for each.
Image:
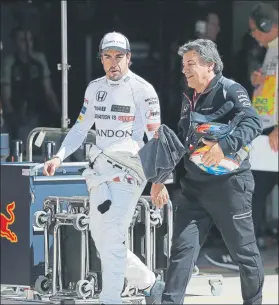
(126, 179)
(101, 96)
(130, 180)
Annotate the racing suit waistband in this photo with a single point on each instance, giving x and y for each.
(116, 164)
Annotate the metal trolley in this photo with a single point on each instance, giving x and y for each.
(59, 212)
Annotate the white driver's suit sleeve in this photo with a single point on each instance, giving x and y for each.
(78, 132)
(150, 111)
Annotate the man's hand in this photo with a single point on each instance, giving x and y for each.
(51, 166)
(273, 139)
(257, 78)
(156, 134)
(214, 155)
(159, 195)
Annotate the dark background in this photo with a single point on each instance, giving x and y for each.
(155, 30)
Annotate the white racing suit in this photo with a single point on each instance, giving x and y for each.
(122, 111)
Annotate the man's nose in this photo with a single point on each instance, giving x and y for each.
(114, 62)
(185, 70)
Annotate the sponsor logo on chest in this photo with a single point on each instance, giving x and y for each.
(121, 108)
(128, 118)
(100, 108)
(108, 133)
(101, 96)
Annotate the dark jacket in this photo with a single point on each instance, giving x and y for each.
(217, 93)
(160, 156)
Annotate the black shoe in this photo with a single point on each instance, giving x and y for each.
(221, 259)
(155, 295)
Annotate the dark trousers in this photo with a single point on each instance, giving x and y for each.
(264, 183)
(228, 203)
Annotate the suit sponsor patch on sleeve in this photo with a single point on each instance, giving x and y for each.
(83, 109)
(153, 114)
(80, 118)
(243, 98)
(153, 127)
(152, 100)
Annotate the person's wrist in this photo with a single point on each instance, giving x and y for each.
(160, 185)
(57, 157)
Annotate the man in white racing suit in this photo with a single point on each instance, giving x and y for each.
(123, 106)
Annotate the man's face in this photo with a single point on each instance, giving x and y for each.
(115, 64)
(261, 37)
(196, 71)
(24, 41)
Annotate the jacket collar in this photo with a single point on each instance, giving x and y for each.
(212, 84)
(273, 43)
(121, 81)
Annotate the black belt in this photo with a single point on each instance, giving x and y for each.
(115, 165)
(91, 164)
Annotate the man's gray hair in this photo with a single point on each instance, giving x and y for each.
(207, 50)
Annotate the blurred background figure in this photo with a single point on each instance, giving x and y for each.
(27, 95)
(2, 122)
(208, 27)
(248, 59)
(263, 23)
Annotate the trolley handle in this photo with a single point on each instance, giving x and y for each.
(33, 171)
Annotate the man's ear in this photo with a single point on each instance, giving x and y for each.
(128, 56)
(211, 67)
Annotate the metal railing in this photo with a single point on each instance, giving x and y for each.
(53, 131)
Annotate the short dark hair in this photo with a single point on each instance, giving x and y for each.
(207, 50)
(264, 11)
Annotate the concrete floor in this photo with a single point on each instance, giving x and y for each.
(199, 291)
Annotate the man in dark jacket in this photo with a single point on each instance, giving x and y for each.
(207, 198)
